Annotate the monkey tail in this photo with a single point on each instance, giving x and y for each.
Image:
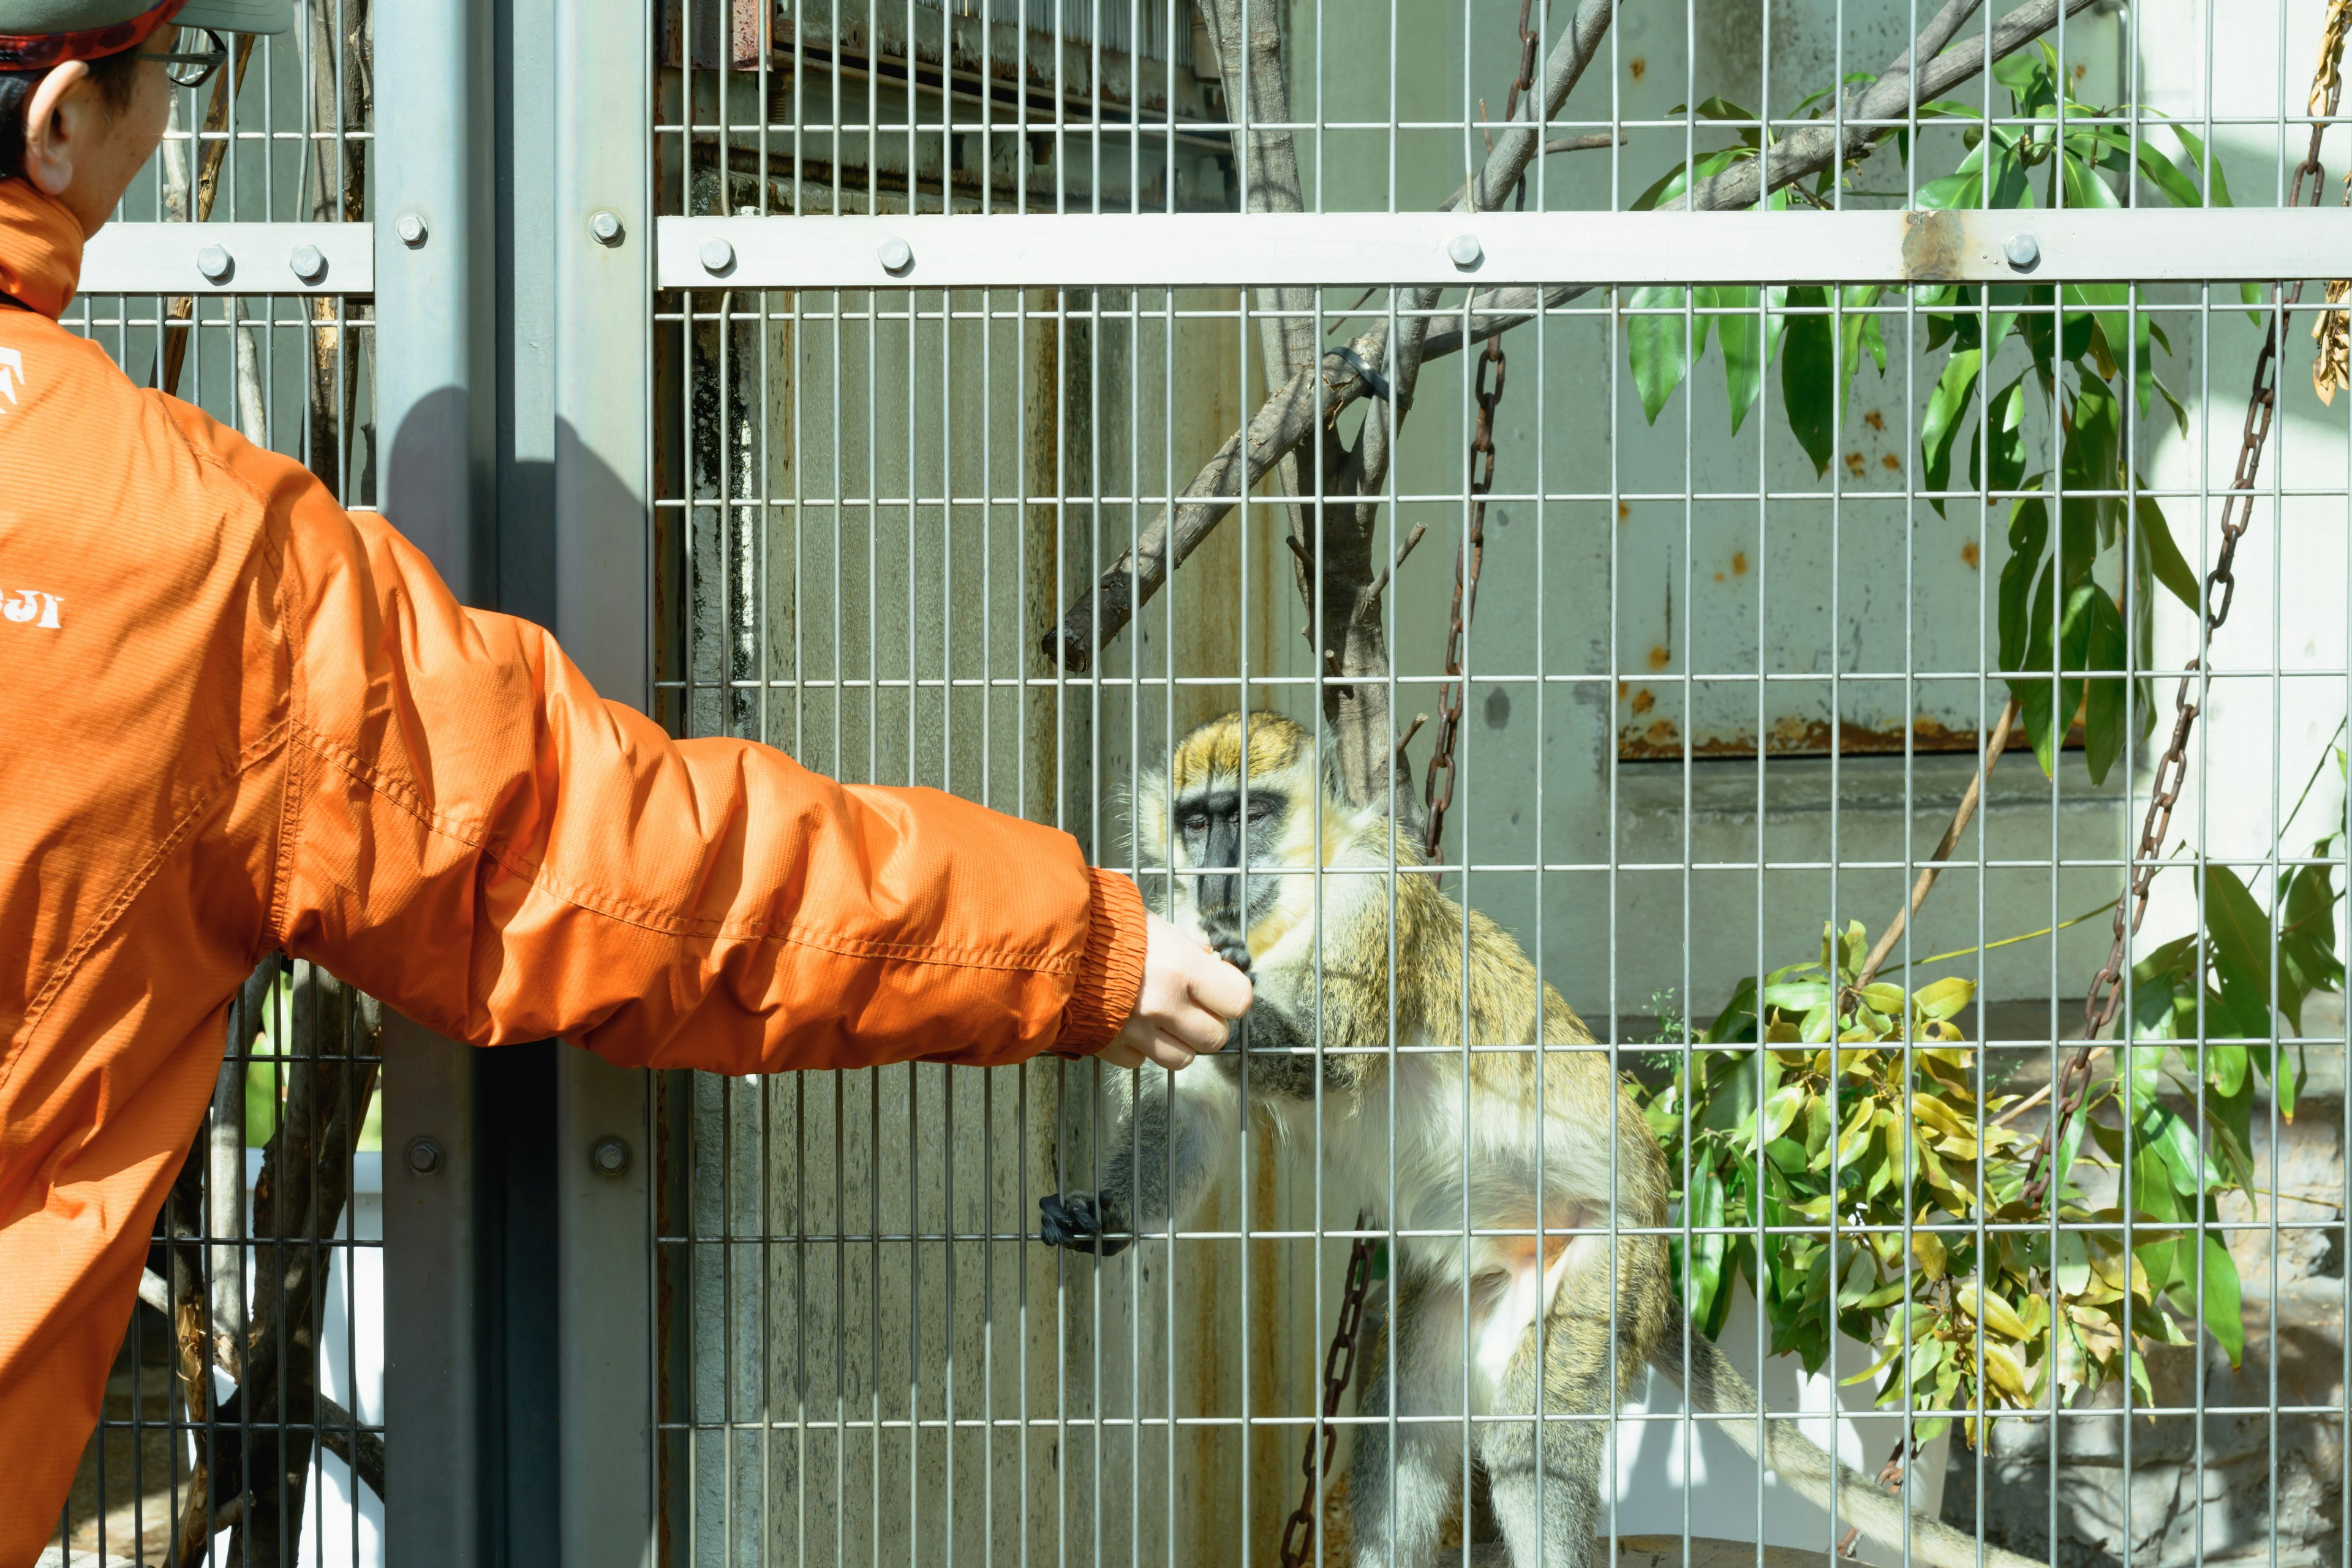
(1712, 1385)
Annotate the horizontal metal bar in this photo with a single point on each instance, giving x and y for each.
(1354, 250)
(230, 259)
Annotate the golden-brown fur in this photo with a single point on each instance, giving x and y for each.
(1525, 1195)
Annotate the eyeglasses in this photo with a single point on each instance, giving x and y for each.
(193, 69)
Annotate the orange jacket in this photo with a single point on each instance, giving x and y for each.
(238, 719)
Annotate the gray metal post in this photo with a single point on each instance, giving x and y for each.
(604, 273)
(430, 455)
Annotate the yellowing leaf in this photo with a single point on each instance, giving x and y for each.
(2004, 1372)
(1881, 997)
(1928, 1248)
(1933, 1112)
(1995, 1313)
(1944, 998)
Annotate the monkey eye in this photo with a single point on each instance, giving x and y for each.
(1196, 822)
(1259, 810)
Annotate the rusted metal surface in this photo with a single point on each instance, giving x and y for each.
(1932, 244)
(1662, 740)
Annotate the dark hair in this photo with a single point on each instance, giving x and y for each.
(114, 74)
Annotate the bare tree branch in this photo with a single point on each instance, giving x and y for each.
(1257, 93)
(1295, 408)
(1808, 151)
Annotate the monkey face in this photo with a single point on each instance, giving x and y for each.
(1217, 831)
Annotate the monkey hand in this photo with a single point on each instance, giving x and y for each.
(1234, 948)
(1082, 1222)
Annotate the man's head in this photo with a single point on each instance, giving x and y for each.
(84, 93)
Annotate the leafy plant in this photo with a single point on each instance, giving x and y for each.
(1834, 1144)
(2087, 354)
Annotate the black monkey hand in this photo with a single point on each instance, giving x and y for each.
(1233, 947)
(1082, 1222)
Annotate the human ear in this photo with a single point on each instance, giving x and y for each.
(60, 126)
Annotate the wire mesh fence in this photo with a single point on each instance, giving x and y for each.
(242, 1420)
(1787, 586)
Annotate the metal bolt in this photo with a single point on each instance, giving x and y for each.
(895, 254)
(410, 229)
(424, 1156)
(718, 256)
(606, 226)
(2022, 252)
(1466, 250)
(214, 263)
(609, 1155)
(307, 263)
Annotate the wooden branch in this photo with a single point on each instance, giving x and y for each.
(208, 161)
(1295, 408)
(1994, 745)
(297, 1205)
(1807, 151)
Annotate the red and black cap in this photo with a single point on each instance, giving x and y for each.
(37, 34)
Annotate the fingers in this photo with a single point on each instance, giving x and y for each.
(1221, 988)
(1142, 1043)
(1193, 1029)
(1121, 1055)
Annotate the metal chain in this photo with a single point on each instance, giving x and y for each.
(2105, 995)
(1437, 787)
(1338, 1366)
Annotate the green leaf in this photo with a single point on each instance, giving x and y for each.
(2218, 188)
(1749, 337)
(2004, 433)
(1945, 997)
(2093, 452)
(2161, 171)
(2165, 563)
(2226, 1068)
(2029, 538)
(1660, 344)
(1734, 1094)
(1945, 406)
(1809, 389)
(2047, 707)
(1706, 1251)
(1797, 996)
(1737, 1022)
(1674, 181)
(1860, 326)
(2104, 716)
(2224, 1316)
(2240, 933)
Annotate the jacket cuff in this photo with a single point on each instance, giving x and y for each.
(1112, 976)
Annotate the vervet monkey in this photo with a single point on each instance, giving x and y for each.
(1549, 1172)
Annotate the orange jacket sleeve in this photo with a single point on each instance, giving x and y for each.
(476, 838)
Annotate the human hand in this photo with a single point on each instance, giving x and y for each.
(1189, 999)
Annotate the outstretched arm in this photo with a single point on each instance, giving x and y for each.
(472, 834)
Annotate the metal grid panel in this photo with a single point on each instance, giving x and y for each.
(266, 1268)
(875, 499)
